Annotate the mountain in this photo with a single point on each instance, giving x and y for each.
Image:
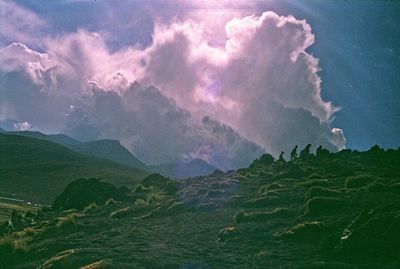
(182, 169)
(330, 210)
(105, 148)
(113, 150)
(37, 170)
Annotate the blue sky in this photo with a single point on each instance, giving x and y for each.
(356, 46)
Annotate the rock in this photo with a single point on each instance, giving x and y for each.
(265, 159)
(162, 183)
(83, 192)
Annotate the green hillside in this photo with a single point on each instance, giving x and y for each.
(104, 149)
(37, 170)
(327, 211)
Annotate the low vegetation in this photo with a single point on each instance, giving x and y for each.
(336, 211)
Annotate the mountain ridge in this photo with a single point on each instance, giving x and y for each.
(29, 165)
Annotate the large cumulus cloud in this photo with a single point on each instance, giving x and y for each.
(184, 96)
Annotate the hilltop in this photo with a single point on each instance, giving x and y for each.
(37, 170)
(326, 211)
(112, 150)
(104, 149)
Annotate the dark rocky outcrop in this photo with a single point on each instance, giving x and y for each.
(82, 192)
(373, 236)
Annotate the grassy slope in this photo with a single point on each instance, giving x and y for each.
(279, 215)
(105, 149)
(37, 170)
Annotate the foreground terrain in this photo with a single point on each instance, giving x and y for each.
(337, 210)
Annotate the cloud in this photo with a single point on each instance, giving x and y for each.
(19, 24)
(156, 130)
(22, 126)
(261, 76)
(183, 96)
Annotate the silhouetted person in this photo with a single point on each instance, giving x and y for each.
(305, 153)
(322, 152)
(319, 150)
(293, 154)
(281, 159)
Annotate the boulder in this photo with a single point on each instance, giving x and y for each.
(83, 192)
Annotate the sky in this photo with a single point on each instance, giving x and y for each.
(223, 81)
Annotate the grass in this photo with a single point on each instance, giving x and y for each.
(325, 206)
(37, 170)
(261, 216)
(163, 227)
(12, 250)
(358, 181)
(69, 221)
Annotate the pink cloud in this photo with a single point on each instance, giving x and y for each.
(260, 81)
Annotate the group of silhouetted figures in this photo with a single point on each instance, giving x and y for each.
(304, 153)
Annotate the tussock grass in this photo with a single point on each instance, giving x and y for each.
(140, 203)
(69, 221)
(227, 233)
(315, 182)
(377, 186)
(58, 261)
(325, 206)
(244, 217)
(110, 202)
(177, 207)
(303, 229)
(262, 202)
(122, 213)
(359, 181)
(322, 192)
(97, 265)
(12, 250)
(90, 208)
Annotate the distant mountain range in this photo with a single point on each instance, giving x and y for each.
(104, 149)
(38, 170)
(112, 150)
(182, 170)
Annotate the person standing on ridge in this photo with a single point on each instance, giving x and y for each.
(293, 154)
